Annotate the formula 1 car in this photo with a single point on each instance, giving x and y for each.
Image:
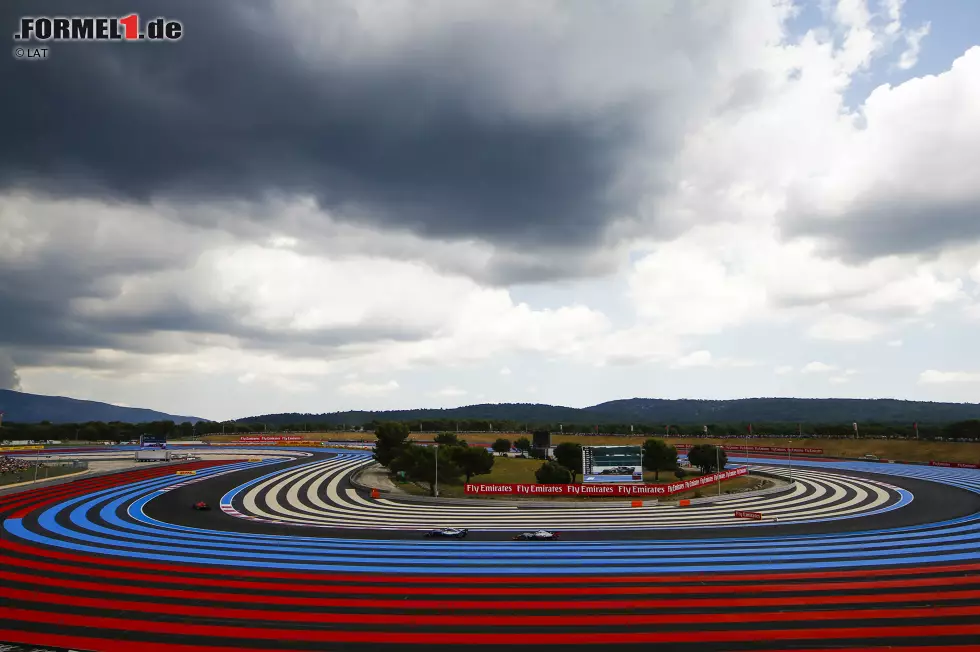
(619, 470)
(447, 533)
(539, 535)
(201, 506)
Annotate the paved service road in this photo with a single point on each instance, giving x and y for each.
(291, 557)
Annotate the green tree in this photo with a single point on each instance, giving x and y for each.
(569, 455)
(963, 430)
(553, 473)
(659, 456)
(472, 461)
(392, 438)
(501, 445)
(419, 465)
(707, 457)
(449, 439)
(523, 444)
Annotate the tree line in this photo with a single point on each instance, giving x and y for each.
(454, 460)
(663, 411)
(120, 431)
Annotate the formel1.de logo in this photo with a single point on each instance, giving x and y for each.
(98, 28)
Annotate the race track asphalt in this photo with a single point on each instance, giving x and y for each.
(122, 563)
(933, 502)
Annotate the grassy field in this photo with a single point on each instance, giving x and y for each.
(42, 474)
(507, 470)
(747, 482)
(903, 450)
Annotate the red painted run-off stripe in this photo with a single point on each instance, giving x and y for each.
(84, 484)
(130, 473)
(513, 601)
(583, 580)
(891, 648)
(487, 638)
(30, 503)
(113, 645)
(488, 620)
(15, 566)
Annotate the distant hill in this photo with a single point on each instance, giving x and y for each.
(20, 407)
(665, 411)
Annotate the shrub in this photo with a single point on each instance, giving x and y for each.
(553, 473)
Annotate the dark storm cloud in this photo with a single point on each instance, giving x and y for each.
(884, 226)
(233, 111)
(39, 314)
(177, 316)
(9, 378)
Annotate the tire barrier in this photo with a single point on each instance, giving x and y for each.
(120, 563)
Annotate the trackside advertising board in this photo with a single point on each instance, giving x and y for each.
(602, 489)
(956, 465)
(302, 443)
(269, 439)
(762, 449)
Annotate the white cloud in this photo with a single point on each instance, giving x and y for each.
(437, 317)
(280, 381)
(450, 392)
(844, 377)
(695, 359)
(817, 368)
(362, 389)
(283, 242)
(505, 371)
(913, 41)
(895, 343)
(933, 377)
(905, 182)
(975, 273)
(681, 289)
(844, 328)
(705, 359)
(782, 370)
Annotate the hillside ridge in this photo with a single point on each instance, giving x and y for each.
(22, 407)
(666, 411)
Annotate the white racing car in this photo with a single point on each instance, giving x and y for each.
(447, 533)
(539, 535)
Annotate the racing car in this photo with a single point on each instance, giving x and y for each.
(447, 533)
(539, 535)
(619, 470)
(201, 506)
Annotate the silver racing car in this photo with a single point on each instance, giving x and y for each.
(538, 535)
(448, 533)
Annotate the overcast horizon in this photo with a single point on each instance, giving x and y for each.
(358, 205)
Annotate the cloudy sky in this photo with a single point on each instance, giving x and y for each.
(318, 206)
